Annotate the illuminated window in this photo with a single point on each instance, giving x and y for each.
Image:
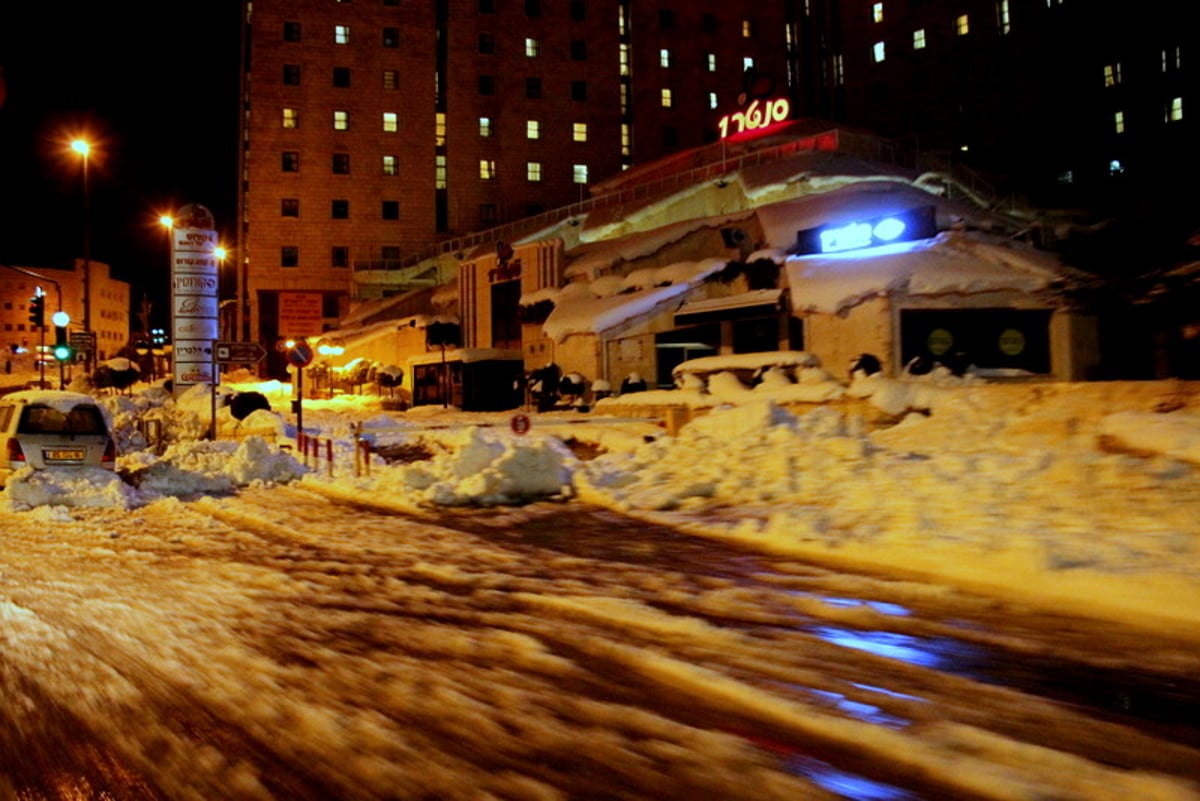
(666, 98)
(532, 49)
(712, 99)
(1172, 58)
(1119, 121)
(1002, 17)
(623, 58)
(1115, 167)
(747, 63)
(624, 90)
(389, 165)
(341, 34)
(664, 58)
(391, 80)
(579, 173)
(341, 120)
(1175, 110)
(533, 171)
(962, 25)
(391, 122)
(747, 28)
(485, 127)
(579, 132)
(1112, 74)
(291, 118)
(533, 129)
(839, 69)
(439, 129)
(487, 169)
(919, 39)
(877, 52)
(710, 61)
(439, 172)
(877, 12)
(626, 140)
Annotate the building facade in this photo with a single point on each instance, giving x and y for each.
(63, 289)
(374, 130)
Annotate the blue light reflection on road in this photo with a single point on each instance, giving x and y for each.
(884, 643)
(848, 785)
(862, 711)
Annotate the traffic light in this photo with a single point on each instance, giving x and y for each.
(62, 348)
(37, 310)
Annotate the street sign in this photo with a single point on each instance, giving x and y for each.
(301, 354)
(240, 352)
(82, 341)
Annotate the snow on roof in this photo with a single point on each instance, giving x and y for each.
(747, 361)
(755, 297)
(60, 400)
(467, 355)
(595, 315)
(949, 262)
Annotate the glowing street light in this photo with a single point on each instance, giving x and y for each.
(84, 149)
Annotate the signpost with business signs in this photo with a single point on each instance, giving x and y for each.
(194, 281)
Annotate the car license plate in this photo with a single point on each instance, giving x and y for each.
(63, 455)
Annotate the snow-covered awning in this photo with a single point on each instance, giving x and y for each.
(755, 303)
(951, 262)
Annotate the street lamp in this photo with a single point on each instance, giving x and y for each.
(84, 149)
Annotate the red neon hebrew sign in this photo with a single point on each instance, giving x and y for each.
(759, 114)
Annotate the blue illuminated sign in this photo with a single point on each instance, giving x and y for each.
(903, 227)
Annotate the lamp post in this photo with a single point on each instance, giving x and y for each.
(84, 149)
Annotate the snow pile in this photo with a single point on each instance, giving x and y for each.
(91, 486)
(207, 467)
(469, 466)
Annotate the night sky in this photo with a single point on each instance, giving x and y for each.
(156, 90)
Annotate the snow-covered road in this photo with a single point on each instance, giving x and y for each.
(284, 643)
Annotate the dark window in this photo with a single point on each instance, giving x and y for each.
(291, 161)
(670, 137)
(578, 10)
(487, 6)
(487, 213)
(487, 43)
(487, 84)
(341, 163)
(579, 49)
(289, 256)
(391, 2)
(666, 19)
(291, 74)
(290, 207)
(533, 8)
(579, 90)
(708, 23)
(391, 37)
(340, 256)
(533, 87)
(341, 76)
(340, 209)
(291, 31)
(391, 209)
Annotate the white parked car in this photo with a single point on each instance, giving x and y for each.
(51, 428)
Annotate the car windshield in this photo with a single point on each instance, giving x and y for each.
(39, 419)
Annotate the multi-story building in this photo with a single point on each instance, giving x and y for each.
(379, 132)
(109, 299)
(372, 130)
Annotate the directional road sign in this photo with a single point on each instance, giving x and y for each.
(240, 352)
